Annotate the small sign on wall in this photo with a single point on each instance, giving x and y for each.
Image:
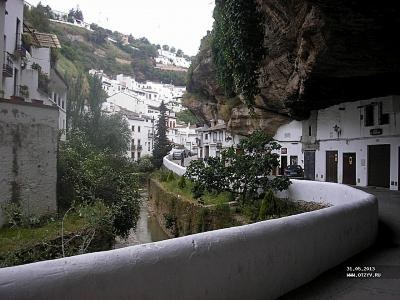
(283, 150)
(375, 131)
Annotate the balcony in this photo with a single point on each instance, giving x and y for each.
(139, 147)
(8, 65)
(133, 148)
(20, 50)
(43, 82)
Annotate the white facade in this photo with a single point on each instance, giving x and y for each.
(212, 140)
(169, 58)
(142, 136)
(289, 137)
(359, 143)
(13, 26)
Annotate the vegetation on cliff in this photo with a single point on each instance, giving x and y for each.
(238, 47)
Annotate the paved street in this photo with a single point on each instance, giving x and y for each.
(384, 255)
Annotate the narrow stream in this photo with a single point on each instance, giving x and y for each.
(148, 230)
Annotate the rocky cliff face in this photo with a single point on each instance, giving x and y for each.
(319, 53)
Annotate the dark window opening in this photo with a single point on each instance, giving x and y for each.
(369, 115)
(383, 119)
(309, 131)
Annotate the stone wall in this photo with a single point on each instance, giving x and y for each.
(28, 157)
(179, 217)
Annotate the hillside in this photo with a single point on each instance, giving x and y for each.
(84, 50)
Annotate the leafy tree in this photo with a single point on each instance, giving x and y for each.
(244, 172)
(87, 176)
(38, 17)
(186, 116)
(97, 96)
(179, 53)
(77, 94)
(78, 14)
(161, 144)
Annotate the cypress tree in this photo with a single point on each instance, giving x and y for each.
(161, 144)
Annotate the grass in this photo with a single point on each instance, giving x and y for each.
(13, 239)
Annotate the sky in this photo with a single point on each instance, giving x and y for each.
(178, 23)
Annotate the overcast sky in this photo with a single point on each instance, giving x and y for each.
(178, 23)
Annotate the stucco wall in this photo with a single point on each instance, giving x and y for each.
(28, 156)
(179, 170)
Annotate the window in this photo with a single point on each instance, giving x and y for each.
(383, 119)
(369, 115)
(309, 131)
(133, 127)
(138, 155)
(214, 136)
(133, 155)
(17, 33)
(138, 142)
(148, 146)
(138, 129)
(62, 104)
(206, 136)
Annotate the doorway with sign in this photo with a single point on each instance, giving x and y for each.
(349, 168)
(331, 166)
(283, 164)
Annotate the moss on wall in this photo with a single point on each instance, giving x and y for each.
(179, 216)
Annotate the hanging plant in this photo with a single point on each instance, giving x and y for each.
(238, 47)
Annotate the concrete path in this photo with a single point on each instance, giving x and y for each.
(384, 256)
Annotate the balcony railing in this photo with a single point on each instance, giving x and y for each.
(20, 49)
(8, 65)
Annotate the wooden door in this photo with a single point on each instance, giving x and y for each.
(309, 165)
(331, 166)
(283, 163)
(379, 165)
(349, 168)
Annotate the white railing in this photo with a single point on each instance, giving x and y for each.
(170, 165)
(258, 261)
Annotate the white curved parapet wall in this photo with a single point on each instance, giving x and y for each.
(258, 261)
(170, 165)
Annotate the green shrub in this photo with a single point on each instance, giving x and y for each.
(182, 182)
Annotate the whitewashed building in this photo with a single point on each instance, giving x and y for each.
(142, 135)
(291, 152)
(356, 143)
(169, 58)
(212, 140)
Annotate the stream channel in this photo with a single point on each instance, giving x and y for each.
(147, 230)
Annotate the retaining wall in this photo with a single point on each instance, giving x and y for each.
(28, 157)
(258, 261)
